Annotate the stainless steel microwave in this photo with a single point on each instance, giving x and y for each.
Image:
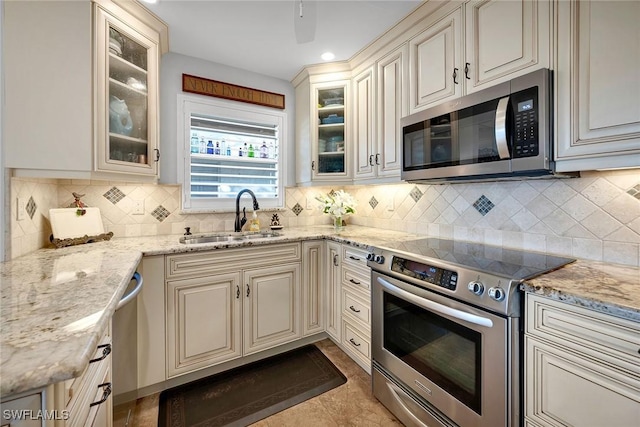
(504, 131)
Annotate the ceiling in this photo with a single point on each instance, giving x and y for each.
(259, 35)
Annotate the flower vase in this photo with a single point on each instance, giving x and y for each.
(337, 223)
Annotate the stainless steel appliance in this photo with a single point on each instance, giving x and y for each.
(504, 131)
(447, 333)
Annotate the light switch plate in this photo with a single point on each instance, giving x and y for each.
(21, 209)
(392, 205)
(309, 203)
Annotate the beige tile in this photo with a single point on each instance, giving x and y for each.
(351, 404)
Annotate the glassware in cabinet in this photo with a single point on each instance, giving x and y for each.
(127, 96)
(331, 131)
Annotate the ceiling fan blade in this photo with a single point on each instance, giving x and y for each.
(304, 19)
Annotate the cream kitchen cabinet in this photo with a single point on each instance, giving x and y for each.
(468, 46)
(378, 106)
(313, 279)
(322, 131)
(582, 367)
(219, 309)
(333, 285)
(355, 305)
(59, 81)
(597, 85)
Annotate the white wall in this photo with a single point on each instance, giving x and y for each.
(172, 67)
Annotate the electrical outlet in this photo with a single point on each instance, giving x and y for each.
(392, 205)
(138, 207)
(21, 209)
(309, 203)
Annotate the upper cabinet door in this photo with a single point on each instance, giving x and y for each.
(598, 85)
(502, 38)
(435, 58)
(363, 127)
(391, 97)
(126, 58)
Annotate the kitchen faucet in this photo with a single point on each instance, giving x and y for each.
(240, 222)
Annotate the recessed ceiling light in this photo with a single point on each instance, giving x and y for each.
(327, 56)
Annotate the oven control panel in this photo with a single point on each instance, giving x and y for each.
(427, 273)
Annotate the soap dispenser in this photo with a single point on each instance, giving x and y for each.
(254, 224)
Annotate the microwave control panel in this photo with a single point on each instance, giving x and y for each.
(525, 138)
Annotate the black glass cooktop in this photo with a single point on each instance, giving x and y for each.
(511, 263)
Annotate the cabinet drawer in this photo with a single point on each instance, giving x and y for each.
(219, 260)
(587, 331)
(93, 385)
(356, 306)
(356, 341)
(355, 277)
(73, 387)
(355, 257)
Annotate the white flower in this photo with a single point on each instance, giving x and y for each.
(337, 203)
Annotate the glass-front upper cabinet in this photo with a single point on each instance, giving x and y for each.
(330, 149)
(126, 95)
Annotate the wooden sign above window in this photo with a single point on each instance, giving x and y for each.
(217, 89)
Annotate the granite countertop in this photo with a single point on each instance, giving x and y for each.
(608, 288)
(56, 303)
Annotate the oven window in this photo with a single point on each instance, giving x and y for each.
(443, 351)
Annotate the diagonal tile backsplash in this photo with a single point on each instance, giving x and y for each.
(594, 217)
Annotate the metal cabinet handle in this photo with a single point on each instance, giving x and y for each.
(354, 258)
(313, 165)
(131, 295)
(355, 282)
(106, 350)
(237, 291)
(371, 160)
(335, 260)
(105, 394)
(353, 342)
(455, 76)
(355, 310)
(466, 70)
(248, 290)
(157, 154)
(377, 158)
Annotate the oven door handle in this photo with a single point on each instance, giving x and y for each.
(501, 128)
(434, 306)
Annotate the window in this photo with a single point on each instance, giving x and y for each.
(227, 147)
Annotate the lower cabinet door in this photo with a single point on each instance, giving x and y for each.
(271, 307)
(203, 322)
(566, 389)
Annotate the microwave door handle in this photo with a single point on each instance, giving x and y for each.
(501, 128)
(434, 306)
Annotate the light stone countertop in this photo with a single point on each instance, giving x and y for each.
(608, 288)
(56, 303)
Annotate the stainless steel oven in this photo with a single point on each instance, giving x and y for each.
(446, 331)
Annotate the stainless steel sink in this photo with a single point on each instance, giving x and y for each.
(228, 237)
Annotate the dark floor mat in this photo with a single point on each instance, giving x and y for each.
(250, 393)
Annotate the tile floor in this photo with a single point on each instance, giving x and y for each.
(351, 404)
